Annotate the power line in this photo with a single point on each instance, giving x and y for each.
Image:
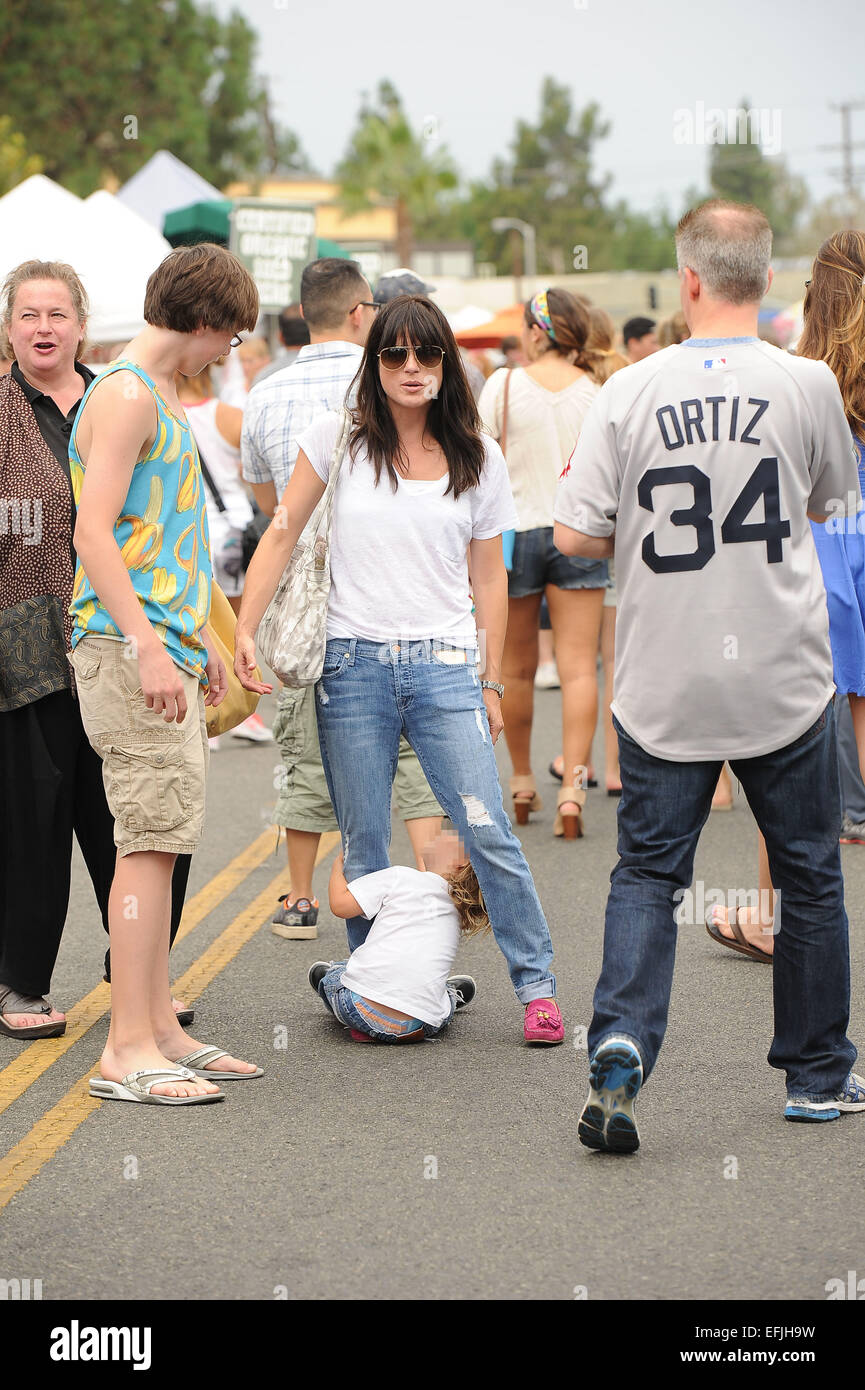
(848, 173)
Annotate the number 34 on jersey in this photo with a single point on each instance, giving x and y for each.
(736, 529)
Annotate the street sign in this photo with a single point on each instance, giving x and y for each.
(274, 239)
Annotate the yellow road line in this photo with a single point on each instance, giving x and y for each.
(42, 1053)
(49, 1134)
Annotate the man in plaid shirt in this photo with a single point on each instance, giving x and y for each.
(338, 307)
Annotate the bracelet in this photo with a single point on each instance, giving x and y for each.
(493, 685)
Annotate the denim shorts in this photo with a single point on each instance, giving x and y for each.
(353, 1011)
(537, 563)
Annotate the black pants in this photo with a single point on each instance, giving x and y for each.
(51, 786)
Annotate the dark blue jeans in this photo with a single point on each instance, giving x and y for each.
(794, 795)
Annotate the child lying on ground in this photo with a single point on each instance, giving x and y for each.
(395, 987)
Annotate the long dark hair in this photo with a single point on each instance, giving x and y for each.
(453, 420)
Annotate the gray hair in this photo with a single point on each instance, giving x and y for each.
(729, 245)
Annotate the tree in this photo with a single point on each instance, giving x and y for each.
(95, 90)
(15, 163)
(643, 241)
(548, 181)
(387, 159)
(739, 170)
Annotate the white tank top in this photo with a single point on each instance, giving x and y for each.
(222, 462)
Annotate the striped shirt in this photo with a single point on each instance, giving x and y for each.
(281, 407)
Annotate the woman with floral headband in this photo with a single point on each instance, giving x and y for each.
(537, 412)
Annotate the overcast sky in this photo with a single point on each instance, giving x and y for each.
(475, 66)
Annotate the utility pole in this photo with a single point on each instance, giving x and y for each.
(848, 173)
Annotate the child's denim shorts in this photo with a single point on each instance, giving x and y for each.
(537, 563)
(353, 1011)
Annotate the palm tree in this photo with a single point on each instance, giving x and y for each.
(386, 159)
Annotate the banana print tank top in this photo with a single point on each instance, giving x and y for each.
(161, 534)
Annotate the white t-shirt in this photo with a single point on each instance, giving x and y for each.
(705, 459)
(543, 427)
(407, 956)
(398, 560)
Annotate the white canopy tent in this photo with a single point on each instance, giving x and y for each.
(162, 185)
(111, 249)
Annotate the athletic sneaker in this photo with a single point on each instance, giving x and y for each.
(615, 1077)
(296, 921)
(852, 1097)
(547, 676)
(464, 987)
(317, 972)
(852, 832)
(254, 729)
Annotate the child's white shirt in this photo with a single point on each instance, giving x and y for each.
(407, 957)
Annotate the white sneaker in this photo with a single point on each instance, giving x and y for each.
(254, 729)
(214, 743)
(547, 677)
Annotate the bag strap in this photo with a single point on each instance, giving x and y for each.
(503, 441)
(340, 448)
(208, 482)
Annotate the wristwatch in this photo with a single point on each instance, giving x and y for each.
(493, 685)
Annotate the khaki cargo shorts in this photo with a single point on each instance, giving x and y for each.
(304, 801)
(154, 772)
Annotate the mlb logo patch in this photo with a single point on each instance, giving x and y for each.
(714, 364)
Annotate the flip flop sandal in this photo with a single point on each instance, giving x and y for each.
(14, 1003)
(741, 944)
(132, 1087)
(197, 1062)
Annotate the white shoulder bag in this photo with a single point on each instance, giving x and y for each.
(293, 632)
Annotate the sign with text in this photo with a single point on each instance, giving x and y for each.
(275, 240)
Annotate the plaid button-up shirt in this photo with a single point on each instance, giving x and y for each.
(280, 408)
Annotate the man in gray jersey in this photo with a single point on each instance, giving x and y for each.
(705, 461)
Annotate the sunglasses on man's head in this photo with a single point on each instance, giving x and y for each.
(394, 358)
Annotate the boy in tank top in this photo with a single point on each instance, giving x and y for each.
(141, 655)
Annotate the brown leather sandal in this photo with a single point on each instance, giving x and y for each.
(523, 803)
(738, 942)
(569, 825)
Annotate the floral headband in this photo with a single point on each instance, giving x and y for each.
(539, 309)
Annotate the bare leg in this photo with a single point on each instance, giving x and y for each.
(576, 619)
(723, 797)
(420, 831)
(546, 647)
(756, 923)
(139, 911)
(857, 713)
(608, 660)
(302, 846)
(519, 664)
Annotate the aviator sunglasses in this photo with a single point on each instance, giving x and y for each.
(395, 358)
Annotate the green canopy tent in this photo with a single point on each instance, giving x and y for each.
(208, 221)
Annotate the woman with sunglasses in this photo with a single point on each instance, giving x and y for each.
(422, 492)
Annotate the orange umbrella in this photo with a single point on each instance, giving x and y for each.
(507, 323)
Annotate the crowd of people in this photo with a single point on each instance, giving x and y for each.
(476, 518)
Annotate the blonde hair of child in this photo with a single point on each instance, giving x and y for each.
(468, 899)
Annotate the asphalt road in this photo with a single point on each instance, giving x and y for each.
(450, 1170)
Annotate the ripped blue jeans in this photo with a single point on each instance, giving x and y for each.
(370, 693)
